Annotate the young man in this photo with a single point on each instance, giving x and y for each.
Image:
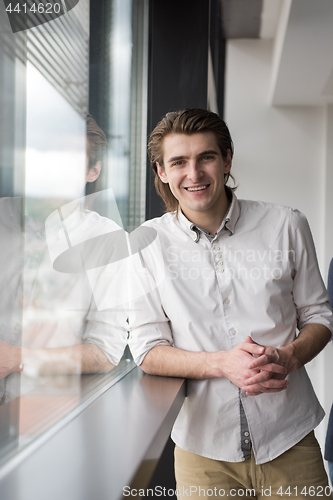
(240, 277)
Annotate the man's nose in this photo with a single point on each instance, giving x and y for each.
(194, 171)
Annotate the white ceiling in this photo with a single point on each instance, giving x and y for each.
(302, 72)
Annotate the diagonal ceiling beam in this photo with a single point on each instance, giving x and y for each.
(241, 18)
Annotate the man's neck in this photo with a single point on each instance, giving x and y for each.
(210, 220)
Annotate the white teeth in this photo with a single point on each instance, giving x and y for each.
(200, 188)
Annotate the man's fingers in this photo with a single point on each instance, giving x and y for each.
(263, 390)
(274, 383)
(257, 379)
(250, 340)
(253, 393)
(266, 374)
(269, 385)
(252, 348)
(272, 367)
(261, 361)
(266, 364)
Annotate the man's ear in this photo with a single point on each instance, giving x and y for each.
(161, 173)
(227, 162)
(94, 172)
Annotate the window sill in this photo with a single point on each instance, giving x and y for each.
(114, 442)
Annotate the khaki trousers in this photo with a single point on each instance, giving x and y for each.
(296, 474)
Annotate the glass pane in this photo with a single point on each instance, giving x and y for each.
(69, 120)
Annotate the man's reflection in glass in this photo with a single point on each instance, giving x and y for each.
(11, 263)
(65, 331)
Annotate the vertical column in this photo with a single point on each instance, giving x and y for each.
(178, 65)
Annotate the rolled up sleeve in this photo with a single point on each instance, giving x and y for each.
(110, 339)
(149, 326)
(309, 292)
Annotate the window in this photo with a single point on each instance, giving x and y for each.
(72, 179)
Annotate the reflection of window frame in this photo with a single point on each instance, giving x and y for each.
(132, 208)
(139, 100)
(12, 106)
(66, 68)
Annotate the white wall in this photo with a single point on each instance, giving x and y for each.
(282, 155)
(279, 154)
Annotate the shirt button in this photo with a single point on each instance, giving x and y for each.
(216, 247)
(219, 256)
(246, 441)
(221, 270)
(227, 301)
(220, 263)
(246, 434)
(233, 331)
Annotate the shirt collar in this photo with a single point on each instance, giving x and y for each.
(228, 222)
(233, 212)
(187, 226)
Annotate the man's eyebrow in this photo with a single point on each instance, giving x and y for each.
(209, 152)
(176, 158)
(183, 157)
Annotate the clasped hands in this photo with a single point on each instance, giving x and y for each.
(265, 373)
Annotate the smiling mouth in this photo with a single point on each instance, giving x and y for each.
(198, 188)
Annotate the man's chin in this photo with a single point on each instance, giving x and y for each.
(195, 207)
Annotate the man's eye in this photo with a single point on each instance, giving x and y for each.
(207, 157)
(178, 163)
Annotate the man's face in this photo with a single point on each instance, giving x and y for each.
(194, 169)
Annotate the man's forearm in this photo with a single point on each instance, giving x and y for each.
(172, 362)
(311, 341)
(233, 364)
(82, 358)
(10, 359)
(94, 360)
